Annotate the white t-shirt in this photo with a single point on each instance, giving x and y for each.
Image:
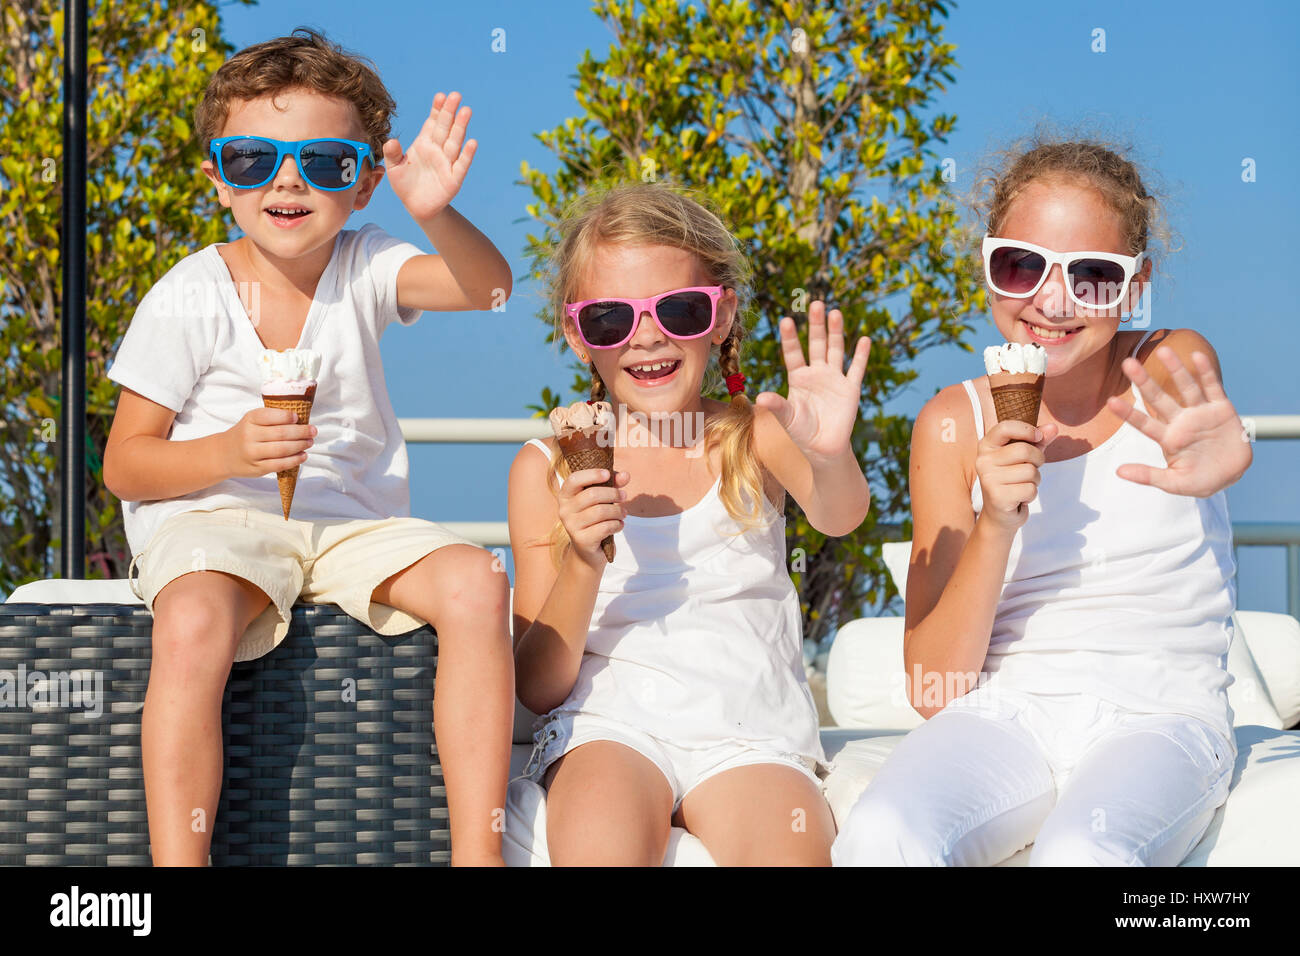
(192, 347)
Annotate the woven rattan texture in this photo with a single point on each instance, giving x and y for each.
(329, 749)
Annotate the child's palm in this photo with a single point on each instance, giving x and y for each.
(821, 406)
(1204, 445)
(429, 174)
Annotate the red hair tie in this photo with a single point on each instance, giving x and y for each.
(735, 384)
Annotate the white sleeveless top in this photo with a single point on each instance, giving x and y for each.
(1115, 589)
(696, 635)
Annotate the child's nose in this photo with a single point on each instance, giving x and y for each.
(647, 331)
(1051, 299)
(287, 174)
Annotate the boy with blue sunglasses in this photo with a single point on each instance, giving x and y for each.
(294, 131)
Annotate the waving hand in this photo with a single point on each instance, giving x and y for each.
(821, 406)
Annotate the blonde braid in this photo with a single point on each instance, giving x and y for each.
(598, 392)
(741, 490)
(729, 360)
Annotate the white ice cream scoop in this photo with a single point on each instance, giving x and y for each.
(289, 365)
(1015, 359)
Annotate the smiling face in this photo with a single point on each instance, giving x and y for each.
(1064, 216)
(635, 272)
(317, 215)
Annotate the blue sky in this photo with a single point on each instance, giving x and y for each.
(1194, 88)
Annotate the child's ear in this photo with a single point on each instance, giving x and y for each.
(223, 191)
(367, 188)
(575, 343)
(727, 304)
(1137, 287)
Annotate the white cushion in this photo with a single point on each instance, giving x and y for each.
(1247, 692)
(74, 591)
(1257, 826)
(866, 688)
(1274, 641)
(854, 760)
(865, 682)
(897, 555)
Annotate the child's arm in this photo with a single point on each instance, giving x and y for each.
(552, 608)
(142, 464)
(954, 579)
(1205, 446)
(804, 440)
(469, 273)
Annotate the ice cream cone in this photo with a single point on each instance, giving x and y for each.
(300, 405)
(1017, 396)
(582, 450)
(1016, 374)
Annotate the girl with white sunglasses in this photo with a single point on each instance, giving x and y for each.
(1071, 583)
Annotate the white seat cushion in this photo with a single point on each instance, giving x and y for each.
(865, 680)
(1257, 826)
(1274, 641)
(74, 591)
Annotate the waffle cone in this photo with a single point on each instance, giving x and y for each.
(1018, 398)
(582, 450)
(300, 405)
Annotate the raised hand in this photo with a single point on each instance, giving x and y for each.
(429, 174)
(1203, 441)
(821, 406)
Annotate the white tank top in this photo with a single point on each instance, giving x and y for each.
(696, 635)
(1116, 589)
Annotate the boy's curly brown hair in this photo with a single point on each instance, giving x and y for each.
(303, 60)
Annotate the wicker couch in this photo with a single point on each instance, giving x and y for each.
(329, 749)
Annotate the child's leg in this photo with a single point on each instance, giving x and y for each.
(607, 805)
(766, 814)
(960, 790)
(1137, 798)
(198, 621)
(461, 592)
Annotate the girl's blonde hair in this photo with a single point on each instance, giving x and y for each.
(657, 214)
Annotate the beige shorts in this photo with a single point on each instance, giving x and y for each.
(319, 562)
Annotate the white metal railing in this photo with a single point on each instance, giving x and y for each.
(495, 431)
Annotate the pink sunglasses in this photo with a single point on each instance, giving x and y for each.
(681, 314)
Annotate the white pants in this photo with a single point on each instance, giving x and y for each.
(987, 775)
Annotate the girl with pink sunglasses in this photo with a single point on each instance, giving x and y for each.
(670, 679)
(1074, 576)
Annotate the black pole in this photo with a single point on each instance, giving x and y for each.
(72, 427)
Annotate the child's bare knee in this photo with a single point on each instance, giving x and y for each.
(193, 633)
(479, 587)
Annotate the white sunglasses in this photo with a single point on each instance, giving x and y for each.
(1097, 280)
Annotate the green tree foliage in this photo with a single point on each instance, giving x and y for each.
(148, 206)
(807, 127)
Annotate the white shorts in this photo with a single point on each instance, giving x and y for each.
(684, 768)
(1082, 779)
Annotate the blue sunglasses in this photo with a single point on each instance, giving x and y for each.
(246, 162)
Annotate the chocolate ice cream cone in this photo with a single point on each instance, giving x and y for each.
(582, 450)
(300, 405)
(1017, 396)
